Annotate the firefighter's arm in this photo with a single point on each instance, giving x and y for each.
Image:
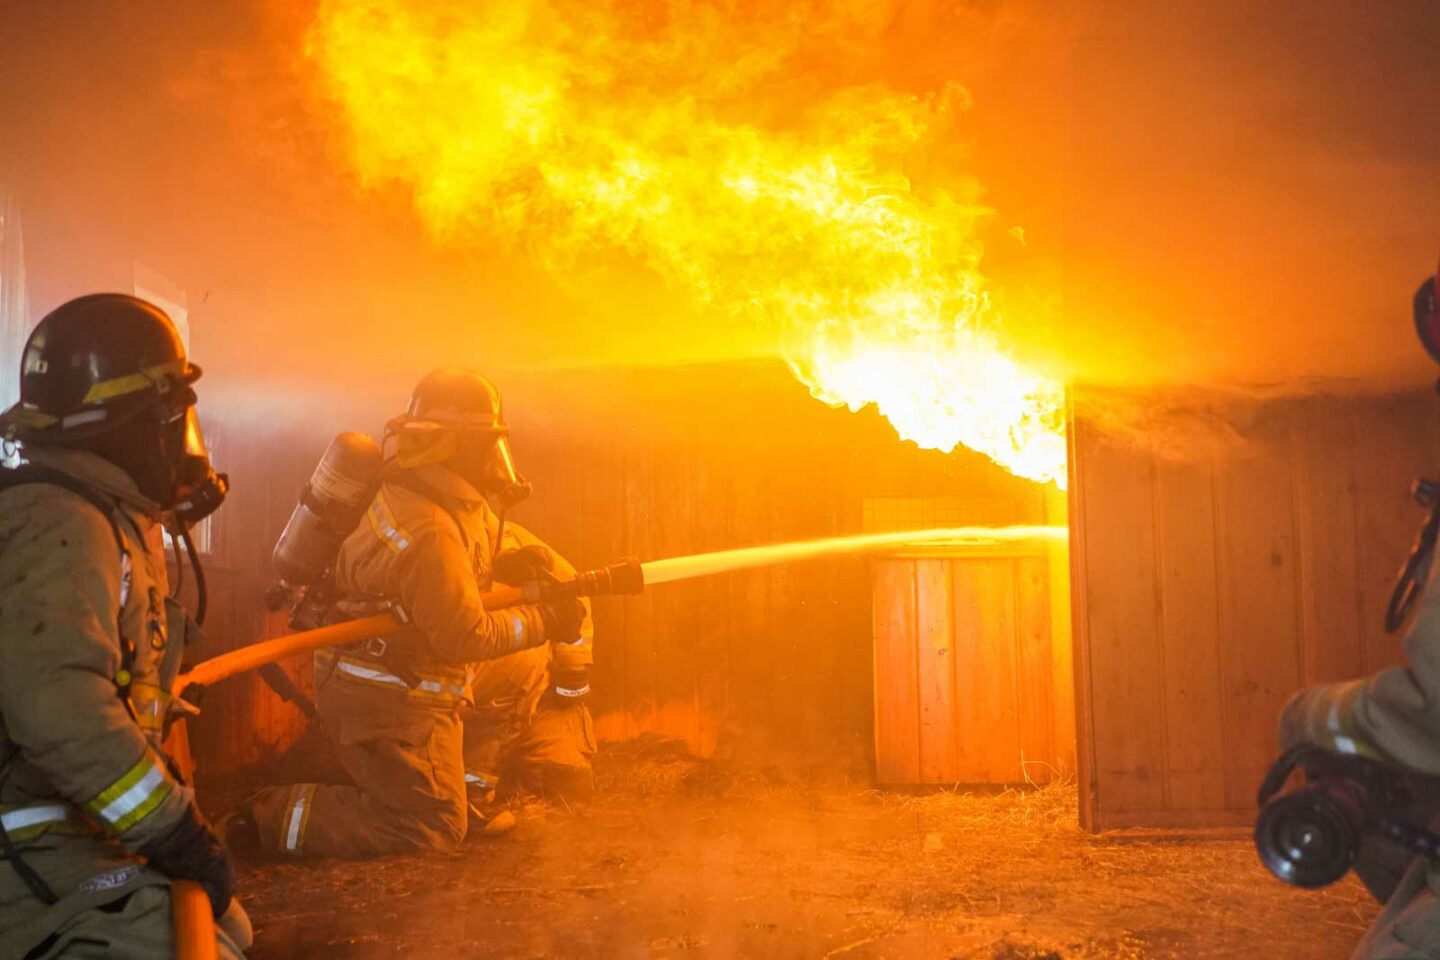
(1392, 716)
(437, 588)
(60, 573)
(570, 661)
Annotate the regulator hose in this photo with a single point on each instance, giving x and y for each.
(1415, 572)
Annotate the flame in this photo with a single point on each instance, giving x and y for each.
(681, 135)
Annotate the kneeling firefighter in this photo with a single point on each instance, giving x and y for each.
(404, 710)
(1372, 750)
(94, 822)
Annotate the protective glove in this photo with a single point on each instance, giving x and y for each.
(190, 851)
(570, 685)
(523, 564)
(562, 617)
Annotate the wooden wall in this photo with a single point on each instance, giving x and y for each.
(772, 666)
(1224, 556)
(966, 689)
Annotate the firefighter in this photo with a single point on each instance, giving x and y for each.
(528, 727)
(95, 821)
(394, 706)
(1391, 717)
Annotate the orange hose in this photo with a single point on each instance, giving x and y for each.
(194, 922)
(336, 634)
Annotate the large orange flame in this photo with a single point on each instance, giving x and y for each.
(669, 133)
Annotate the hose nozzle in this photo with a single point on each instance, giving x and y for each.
(622, 576)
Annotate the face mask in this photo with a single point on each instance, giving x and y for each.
(485, 460)
(198, 490)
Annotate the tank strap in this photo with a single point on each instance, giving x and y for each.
(422, 489)
(35, 473)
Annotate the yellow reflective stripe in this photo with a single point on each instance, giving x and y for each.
(134, 382)
(297, 815)
(383, 522)
(133, 797)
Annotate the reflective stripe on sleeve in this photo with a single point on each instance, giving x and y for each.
(483, 781)
(386, 527)
(22, 823)
(517, 626)
(133, 797)
(297, 817)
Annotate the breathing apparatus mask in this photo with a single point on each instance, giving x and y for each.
(1415, 572)
(454, 419)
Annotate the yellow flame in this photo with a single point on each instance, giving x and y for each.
(680, 135)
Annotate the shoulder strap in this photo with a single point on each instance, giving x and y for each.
(422, 489)
(35, 473)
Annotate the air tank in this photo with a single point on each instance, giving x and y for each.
(330, 507)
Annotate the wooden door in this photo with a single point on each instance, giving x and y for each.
(965, 672)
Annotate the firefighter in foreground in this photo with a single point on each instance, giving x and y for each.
(427, 720)
(95, 821)
(1393, 718)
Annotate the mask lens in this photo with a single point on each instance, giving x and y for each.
(194, 440)
(505, 463)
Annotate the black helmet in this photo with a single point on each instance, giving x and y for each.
(460, 397)
(1427, 316)
(108, 373)
(93, 361)
(455, 417)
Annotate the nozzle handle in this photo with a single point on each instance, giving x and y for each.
(622, 576)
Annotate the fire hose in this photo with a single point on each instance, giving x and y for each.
(624, 576)
(194, 923)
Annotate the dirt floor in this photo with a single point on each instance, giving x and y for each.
(675, 861)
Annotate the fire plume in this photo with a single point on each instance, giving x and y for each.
(677, 135)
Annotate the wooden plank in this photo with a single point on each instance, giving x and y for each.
(1062, 659)
(897, 710)
(935, 640)
(1119, 652)
(1331, 600)
(1034, 679)
(1190, 636)
(1259, 617)
(1080, 436)
(987, 714)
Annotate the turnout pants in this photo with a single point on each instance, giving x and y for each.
(404, 755)
(138, 927)
(1409, 926)
(518, 737)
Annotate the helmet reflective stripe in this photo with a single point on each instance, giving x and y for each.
(298, 818)
(150, 378)
(133, 797)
